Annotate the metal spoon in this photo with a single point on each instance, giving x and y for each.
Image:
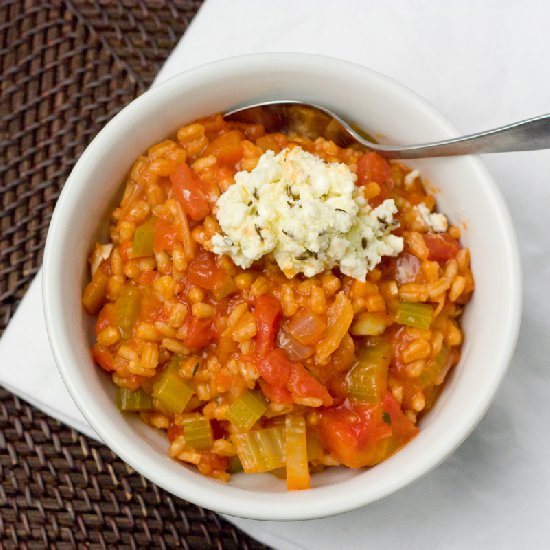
(313, 121)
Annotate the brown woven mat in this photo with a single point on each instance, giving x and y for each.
(66, 68)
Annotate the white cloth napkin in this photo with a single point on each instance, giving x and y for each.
(482, 64)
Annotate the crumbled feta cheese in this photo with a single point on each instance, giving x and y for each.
(305, 212)
(410, 177)
(436, 222)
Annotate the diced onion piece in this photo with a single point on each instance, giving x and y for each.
(293, 349)
(368, 379)
(369, 324)
(297, 469)
(246, 410)
(197, 432)
(414, 315)
(133, 401)
(261, 450)
(171, 390)
(306, 326)
(101, 252)
(340, 316)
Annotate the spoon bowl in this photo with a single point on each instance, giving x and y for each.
(313, 121)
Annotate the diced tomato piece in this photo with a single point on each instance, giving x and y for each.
(149, 308)
(267, 311)
(344, 356)
(361, 435)
(227, 147)
(210, 462)
(106, 318)
(373, 167)
(275, 369)
(217, 429)
(103, 357)
(173, 431)
(276, 394)
(186, 188)
(200, 332)
(204, 272)
(402, 427)
(166, 236)
(353, 435)
(303, 384)
(442, 247)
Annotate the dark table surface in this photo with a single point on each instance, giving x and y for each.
(67, 67)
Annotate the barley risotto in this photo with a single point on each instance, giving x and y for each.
(276, 304)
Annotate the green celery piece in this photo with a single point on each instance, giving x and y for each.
(197, 432)
(314, 447)
(246, 410)
(367, 379)
(261, 450)
(133, 401)
(144, 237)
(234, 466)
(127, 309)
(414, 315)
(297, 468)
(170, 389)
(435, 368)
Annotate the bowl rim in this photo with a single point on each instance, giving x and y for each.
(238, 502)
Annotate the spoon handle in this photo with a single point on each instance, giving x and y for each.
(526, 135)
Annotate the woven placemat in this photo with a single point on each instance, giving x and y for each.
(66, 68)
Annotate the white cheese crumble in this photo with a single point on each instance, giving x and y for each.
(436, 222)
(307, 213)
(410, 178)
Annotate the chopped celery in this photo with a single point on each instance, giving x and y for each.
(234, 466)
(246, 410)
(314, 447)
(367, 380)
(431, 394)
(127, 309)
(436, 369)
(414, 315)
(170, 389)
(144, 237)
(279, 473)
(297, 469)
(197, 432)
(368, 324)
(261, 450)
(133, 401)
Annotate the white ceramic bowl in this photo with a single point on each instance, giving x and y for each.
(468, 194)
